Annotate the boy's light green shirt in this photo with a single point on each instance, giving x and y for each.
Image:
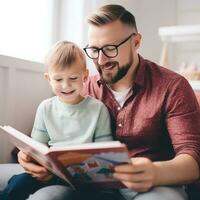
(60, 124)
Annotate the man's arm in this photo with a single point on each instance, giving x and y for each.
(142, 174)
(180, 170)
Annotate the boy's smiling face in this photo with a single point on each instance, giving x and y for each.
(67, 83)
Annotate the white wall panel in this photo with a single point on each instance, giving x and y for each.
(188, 13)
(22, 88)
(185, 5)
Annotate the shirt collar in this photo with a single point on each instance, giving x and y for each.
(140, 74)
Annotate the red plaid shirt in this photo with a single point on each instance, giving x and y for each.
(161, 116)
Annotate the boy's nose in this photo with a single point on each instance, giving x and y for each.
(66, 84)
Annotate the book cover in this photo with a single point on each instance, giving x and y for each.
(81, 165)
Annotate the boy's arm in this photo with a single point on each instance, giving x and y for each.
(39, 134)
(39, 131)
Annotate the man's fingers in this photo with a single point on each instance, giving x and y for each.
(137, 165)
(126, 168)
(139, 187)
(135, 177)
(129, 168)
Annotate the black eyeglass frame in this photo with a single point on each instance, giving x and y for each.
(110, 45)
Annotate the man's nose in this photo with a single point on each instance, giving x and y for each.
(102, 59)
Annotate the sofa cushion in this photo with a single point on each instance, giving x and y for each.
(7, 171)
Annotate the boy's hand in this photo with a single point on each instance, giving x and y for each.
(33, 168)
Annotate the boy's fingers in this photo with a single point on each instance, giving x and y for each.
(23, 156)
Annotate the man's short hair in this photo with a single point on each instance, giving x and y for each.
(110, 13)
(63, 54)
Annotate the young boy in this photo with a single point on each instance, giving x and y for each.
(65, 119)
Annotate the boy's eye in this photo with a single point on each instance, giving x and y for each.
(73, 78)
(58, 79)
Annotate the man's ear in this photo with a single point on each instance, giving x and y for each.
(137, 40)
(86, 74)
(46, 76)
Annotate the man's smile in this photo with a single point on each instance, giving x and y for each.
(108, 66)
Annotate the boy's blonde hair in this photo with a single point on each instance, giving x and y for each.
(63, 54)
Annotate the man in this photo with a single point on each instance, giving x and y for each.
(153, 110)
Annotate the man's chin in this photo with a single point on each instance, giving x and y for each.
(107, 78)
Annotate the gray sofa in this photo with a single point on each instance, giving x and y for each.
(8, 170)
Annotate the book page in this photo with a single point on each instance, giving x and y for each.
(93, 145)
(19, 136)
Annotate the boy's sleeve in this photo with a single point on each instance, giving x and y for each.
(39, 131)
(103, 128)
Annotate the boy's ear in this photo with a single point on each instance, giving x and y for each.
(86, 74)
(46, 76)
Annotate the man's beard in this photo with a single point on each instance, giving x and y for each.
(120, 73)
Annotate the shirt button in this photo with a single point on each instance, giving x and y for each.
(120, 125)
(118, 108)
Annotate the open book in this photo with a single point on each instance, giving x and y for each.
(83, 165)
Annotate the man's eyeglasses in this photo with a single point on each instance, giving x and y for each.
(110, 51)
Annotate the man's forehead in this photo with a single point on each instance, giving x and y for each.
(106, 34)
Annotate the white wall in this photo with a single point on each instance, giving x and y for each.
(25, 28)
(152, 14)
(188, 13)
(149, 18)
(22, 88)
(68, 21)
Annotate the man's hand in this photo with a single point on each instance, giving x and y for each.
(139, 175)
(142, 174)
(33, 168)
